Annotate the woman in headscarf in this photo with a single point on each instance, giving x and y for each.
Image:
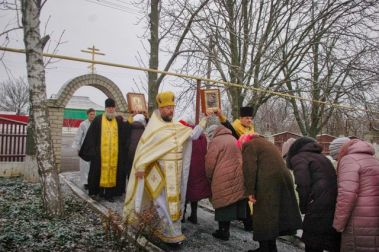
(136, 129)
(357, 209)
(270, 187)
(223, 168)
(316, 184)
(198, 186)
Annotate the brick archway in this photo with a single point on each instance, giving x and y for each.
(56, 106)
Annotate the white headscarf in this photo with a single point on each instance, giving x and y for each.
(139, 118)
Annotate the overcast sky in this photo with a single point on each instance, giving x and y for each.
(86, 23)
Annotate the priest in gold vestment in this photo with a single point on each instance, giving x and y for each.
(160, 170)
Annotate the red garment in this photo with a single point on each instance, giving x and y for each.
(357, 209)
(198, 186)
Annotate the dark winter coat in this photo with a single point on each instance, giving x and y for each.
(198, 186)
(357, 210)
(132, 139)
(316, 183)
(91, 151)
(275, 212)
(223, 168)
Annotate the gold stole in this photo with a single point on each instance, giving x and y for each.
(169, 176)
(157, 177)
(240, 129)
(109, 152)
(173, 171)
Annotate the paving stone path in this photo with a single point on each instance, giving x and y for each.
(199, 237)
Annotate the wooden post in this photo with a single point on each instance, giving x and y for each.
(197, 118)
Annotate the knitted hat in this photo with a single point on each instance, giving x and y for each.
(110, 103)
(246, 111)
(335, 146)
(139, 118)
(165, 99)
(286, 146)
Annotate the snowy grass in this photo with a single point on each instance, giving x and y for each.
(24, 227)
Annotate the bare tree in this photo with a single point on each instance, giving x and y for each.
(7, 28)
(293, 47)
(361, 123)
(244, 41)
(373, 118)
(14, 96)
(275, 116)
(154, 53)
(169, 24)
(337, 66)
(14, 7)
(15, 24)
(34, 44)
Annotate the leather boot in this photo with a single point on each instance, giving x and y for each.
(193, 217)
(223, 231)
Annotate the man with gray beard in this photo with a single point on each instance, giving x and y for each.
(105, 147)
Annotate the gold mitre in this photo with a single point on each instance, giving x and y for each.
(166, 99)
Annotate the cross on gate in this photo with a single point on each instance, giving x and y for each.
(92, 50)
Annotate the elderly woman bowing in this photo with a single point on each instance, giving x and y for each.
(270, 187)
(316, 183)
(223, 168)
(357, 209)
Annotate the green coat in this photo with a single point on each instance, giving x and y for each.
(276, 212)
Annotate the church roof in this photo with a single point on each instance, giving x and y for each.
(83, 102)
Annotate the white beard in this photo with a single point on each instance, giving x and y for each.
(110, 116)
